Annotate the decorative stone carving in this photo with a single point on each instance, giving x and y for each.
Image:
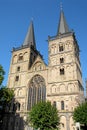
(37, 90)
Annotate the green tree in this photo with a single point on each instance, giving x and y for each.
(80, 114)
(44, 116)
(6, 96)
(2, 73)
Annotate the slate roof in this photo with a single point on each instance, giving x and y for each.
(30, 38)
(63, 27)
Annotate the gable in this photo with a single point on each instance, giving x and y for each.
(38, 64)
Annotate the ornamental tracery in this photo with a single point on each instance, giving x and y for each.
(36, 91)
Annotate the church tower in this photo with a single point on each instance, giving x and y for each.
(28, 78)
(22, 59)
(65, 88)
(60, 81)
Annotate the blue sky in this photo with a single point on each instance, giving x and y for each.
(15, 17)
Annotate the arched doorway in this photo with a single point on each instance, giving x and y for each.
(36, 91)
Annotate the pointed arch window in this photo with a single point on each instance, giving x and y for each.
(37, 91)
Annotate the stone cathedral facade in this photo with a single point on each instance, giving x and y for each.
(59, 82)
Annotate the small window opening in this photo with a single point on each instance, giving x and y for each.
(18, 106)
(62, 105)
(54, 103)
(61, 60)
(18, 68)
(62, 71)
(17, 78)
(61, 48)
(20, 58)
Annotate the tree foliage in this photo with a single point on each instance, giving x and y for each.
(44, 116)
(2, 73)
(80, 114)
(6, 95)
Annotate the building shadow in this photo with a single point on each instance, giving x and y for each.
(12, 118)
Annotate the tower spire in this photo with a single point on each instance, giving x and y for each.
(62, 27)
(30, 38)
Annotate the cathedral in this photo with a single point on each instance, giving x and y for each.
(59, 81)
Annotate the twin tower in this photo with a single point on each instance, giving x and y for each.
(59, 82)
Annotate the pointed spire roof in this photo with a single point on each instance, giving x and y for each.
(63, 27)
(30, 38)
